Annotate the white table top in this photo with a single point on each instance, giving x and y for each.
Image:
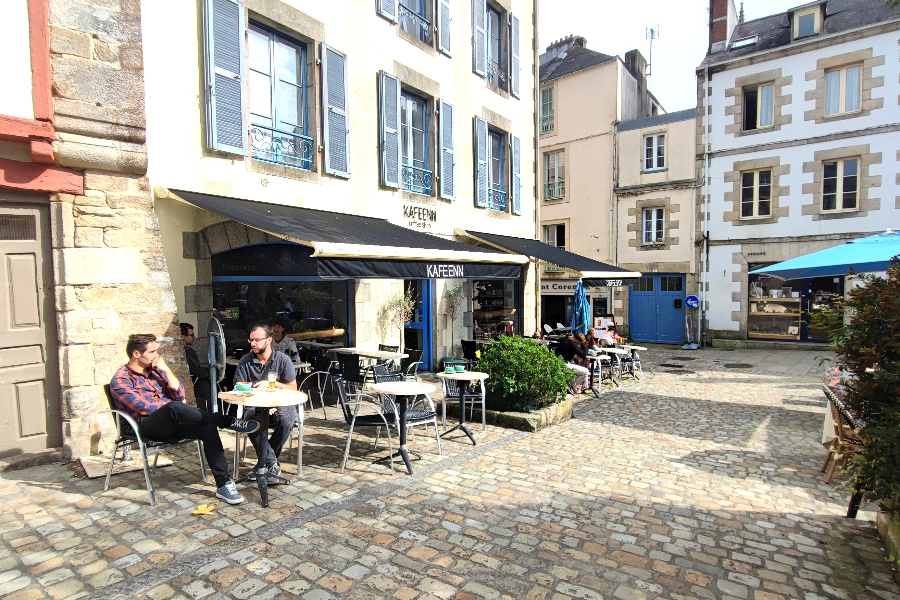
(233, 362)
(463, 375)
(382, 354)
(630, 347)
(265, 398)
(403, 388)
(615, 351)
(308, 344)
(598, 356)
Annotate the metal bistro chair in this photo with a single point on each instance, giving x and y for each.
(316, 382)
(352, 371)
(414, 416)
(351, 405)
(631, 364)
(846, 440)
(127, 433)
(409, 366)
(472, 395)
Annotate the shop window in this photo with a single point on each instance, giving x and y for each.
(654, 226)
(756, 193)
(547, 110)
(840, 185)
(654, 152)
(758, 106)
(843, 90)
(554, 175)
(494, 306)
(793, 310)
(279, 126)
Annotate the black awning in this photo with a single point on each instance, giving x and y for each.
(593, 272)
(351, 246)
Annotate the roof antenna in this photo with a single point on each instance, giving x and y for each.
(652, 34)
(741, 16)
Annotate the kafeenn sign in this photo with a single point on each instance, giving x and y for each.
(419, 216)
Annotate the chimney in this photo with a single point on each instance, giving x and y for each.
(722, 20)
(562, 46)
(637, 66)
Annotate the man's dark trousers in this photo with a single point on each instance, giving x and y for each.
(281, 424)
(177, 420)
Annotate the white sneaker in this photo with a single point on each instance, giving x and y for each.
(229, 493)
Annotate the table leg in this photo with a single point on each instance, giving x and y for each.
(591, 378)
(404, 453)
(261, 473)
(461, 386)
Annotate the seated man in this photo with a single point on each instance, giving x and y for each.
(148, 391)
(284, 343)
(199, 370)
(255, 367)
(568, 349)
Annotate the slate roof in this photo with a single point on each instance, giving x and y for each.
(775, 30)
(672, 117)
(578, 58)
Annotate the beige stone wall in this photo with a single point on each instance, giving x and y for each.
(779, 100)
(866, 182)
(733, 197)
(868, 61)
(110, 273)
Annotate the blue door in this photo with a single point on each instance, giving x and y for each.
(656, 309)
(417, 332)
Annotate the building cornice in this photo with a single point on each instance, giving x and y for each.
(643, 188)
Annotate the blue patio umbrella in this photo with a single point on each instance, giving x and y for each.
(580, 310)
(864, 255)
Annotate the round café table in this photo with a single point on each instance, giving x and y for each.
(403, 391)
(265, 398)
(459, 377)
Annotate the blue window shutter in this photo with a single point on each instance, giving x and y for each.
(481, 162)
(226, 101)
(479, 37)
(387, 9)
(516, 177)
(336, 123)
(448, 176)
(389, 121)
(514, 55)
(443, 22)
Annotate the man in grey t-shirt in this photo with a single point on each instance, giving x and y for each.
(255, 367)
(282, 342)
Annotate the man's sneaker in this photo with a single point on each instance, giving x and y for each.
(272, 476)
(243, 426)
(229, 493)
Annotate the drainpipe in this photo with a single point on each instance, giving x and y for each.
(614, 211)
(705, 252)
(537, 166)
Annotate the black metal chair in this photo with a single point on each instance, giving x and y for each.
(351, 405)
(351, 370)
(469, 347)
(127, 434)
(316, 382)
(414, 416)
(409, 366)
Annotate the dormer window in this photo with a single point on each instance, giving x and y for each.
(806, 22)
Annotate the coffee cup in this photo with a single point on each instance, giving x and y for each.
(460, 368)
(243, 386)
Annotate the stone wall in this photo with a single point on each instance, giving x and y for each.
(110, 274)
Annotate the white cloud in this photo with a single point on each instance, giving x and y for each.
(614, 27)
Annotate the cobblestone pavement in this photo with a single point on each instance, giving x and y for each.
(702, 481)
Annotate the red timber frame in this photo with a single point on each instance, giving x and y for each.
(40, 175)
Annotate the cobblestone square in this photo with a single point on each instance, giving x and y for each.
(701, 481)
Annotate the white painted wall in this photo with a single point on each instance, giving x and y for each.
(16, 99)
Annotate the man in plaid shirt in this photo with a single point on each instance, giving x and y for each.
(148, 391)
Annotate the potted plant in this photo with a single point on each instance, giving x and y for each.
(396, 311)
(454, 298)
(524, 376)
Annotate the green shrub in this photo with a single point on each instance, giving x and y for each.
(524, 376)
(871, 340)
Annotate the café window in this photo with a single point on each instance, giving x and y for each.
(794, 309)
(494, 308)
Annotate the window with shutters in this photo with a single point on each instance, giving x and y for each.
(496, 46)
(415, 174)
(547, 109)
(496, 51)
(554, 175)
(497, 192)
(414, 17)
(279, 120)
(555, 235)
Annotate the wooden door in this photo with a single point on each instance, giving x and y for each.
(29, 380)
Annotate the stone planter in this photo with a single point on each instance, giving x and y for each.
(533, 421)
(889, 527)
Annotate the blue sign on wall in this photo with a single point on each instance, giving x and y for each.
(692, 301)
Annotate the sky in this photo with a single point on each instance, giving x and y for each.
(615, 27)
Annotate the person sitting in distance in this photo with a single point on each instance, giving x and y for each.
(283, 343)
(148, 391)
(199, 370)
(568, 349)
(255, 367)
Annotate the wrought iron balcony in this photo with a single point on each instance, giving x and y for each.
(547, 123)
(555, 189)
(496, 198)
(281, 147)
(417, 180)
(496, 75)
(414, 23)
